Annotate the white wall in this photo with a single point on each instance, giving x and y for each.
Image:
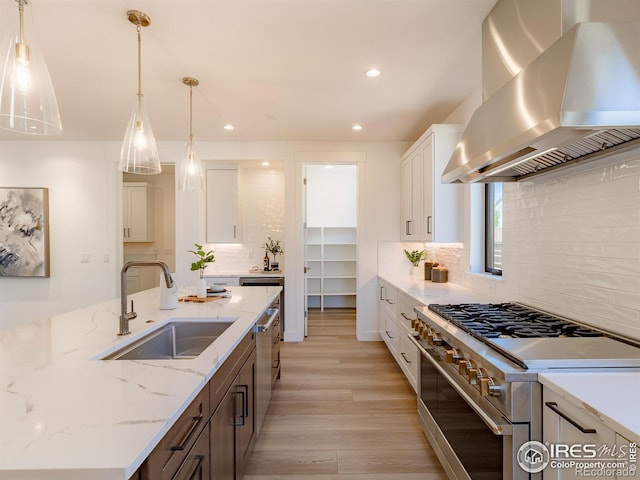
(83, 183)
(85, 209)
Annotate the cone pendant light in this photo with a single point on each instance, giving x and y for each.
(139, 152)
(27, 100)
(191, 176)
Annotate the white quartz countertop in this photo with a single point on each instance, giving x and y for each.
(244, 273)
(64, 415)
(428, 292)
(612, 397)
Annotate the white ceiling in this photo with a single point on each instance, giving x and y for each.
(276, 69)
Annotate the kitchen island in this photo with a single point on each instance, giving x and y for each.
(66, 414)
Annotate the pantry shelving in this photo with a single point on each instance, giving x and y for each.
(332, 265)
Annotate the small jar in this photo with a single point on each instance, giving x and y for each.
(428, 266)
(439, 275)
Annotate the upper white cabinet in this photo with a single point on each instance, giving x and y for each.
(222, 206)
(137, 212)
(431, 211)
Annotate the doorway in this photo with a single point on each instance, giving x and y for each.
(330, 237)
(148, 225)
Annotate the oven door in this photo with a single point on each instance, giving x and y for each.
(472, 441)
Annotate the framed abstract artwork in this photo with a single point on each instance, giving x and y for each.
(24, 232)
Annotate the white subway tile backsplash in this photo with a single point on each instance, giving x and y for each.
(572, 243)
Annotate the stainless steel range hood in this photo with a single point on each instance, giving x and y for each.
(578, 100)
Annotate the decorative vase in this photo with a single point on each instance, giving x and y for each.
(415, 270)
(202, 288)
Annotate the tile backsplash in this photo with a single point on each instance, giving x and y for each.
(572, 243)
(261, 193)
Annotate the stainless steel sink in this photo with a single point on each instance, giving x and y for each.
(175, 340)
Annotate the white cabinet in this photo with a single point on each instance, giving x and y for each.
(222, 206)
(331, 258)
(388, 311)
(564, 423)
(431, 211)
(137, 214)
(407, 351)
(396, 311)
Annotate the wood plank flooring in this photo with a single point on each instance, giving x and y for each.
(342, 410)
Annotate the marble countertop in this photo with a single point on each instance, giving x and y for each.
(66, 415)
(612, 397)
(428, 292)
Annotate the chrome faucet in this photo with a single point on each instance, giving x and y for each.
(124, 315)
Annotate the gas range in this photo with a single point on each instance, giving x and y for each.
(534, 339)
(478, 373)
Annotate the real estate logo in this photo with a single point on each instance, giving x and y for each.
(533, 457)
(586, 460)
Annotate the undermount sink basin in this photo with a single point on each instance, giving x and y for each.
(175, 340)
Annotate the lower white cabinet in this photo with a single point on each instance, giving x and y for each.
(396, 312)
(567, 424)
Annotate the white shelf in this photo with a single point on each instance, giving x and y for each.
(332, 258)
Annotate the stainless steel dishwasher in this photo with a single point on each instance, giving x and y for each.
(267, 339)
(264, 281)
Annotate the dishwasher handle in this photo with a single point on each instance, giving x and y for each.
(273, 314)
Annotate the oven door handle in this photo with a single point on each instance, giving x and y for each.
(505, 429)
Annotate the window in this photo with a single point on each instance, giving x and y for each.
(493, 229)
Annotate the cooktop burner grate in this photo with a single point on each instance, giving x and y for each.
(509, 320)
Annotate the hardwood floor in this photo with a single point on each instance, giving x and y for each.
(342, 410)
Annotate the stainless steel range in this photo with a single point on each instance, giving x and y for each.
(479, 399)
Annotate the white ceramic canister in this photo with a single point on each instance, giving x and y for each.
(168, 296)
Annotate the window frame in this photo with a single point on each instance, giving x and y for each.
(489, 230)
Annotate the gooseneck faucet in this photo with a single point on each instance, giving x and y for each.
(124, 315)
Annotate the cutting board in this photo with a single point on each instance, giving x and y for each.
(195, 299)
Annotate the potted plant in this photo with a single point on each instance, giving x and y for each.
(415, 256)
(204, 258)
(274, 247)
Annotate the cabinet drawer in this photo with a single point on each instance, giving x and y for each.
(225, 281)
(197, 465)
(408, 357)
(166, 458)
(406, 312)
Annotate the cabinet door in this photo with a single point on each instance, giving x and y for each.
(567, 424)
(223, 460)
(222, 206)
(411, 196)
(245, 413)
(428, 188)
(137, 213)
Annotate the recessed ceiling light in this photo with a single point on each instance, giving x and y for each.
(228, 126)
(357, 127)
(265, 164)
(372, 73)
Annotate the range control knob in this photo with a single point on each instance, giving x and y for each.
(476, 374)
(488, 387)
(433, 338)
(452, 356)
(465, 366)
(415, 324)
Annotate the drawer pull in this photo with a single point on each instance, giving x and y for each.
(196, 461)
(405, 316)
(195, 421)
(554, 407)
(389, 335)
(405, 357)
(239, 418)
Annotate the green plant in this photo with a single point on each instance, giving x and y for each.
(415, 256)
(273, 246)
(203, 259)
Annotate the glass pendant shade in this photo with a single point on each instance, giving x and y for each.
(191, 176)
(139, 152)
(27, 100)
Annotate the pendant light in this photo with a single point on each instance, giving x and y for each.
(27, 100)
(191, 176)
(139, 152)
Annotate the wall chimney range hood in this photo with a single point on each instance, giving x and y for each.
(578, 100)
